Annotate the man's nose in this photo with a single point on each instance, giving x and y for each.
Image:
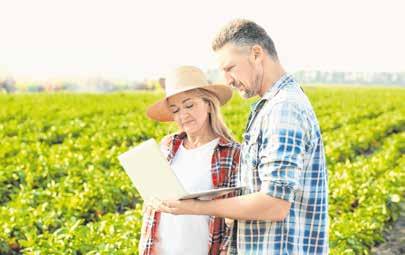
(229, 79)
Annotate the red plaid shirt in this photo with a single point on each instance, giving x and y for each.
(224, 169)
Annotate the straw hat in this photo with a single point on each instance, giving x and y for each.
(183, 79)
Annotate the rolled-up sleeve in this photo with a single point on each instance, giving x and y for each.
(282, 145)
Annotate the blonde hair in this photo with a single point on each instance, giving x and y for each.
(215, 116)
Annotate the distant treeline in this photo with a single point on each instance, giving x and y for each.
(379, 78)
(99, 84)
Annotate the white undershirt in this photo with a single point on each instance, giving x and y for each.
(188, 234)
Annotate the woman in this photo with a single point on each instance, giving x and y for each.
(203, 155)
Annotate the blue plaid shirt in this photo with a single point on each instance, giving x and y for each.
(283, 155)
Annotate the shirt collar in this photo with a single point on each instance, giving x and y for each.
(178, 138)
(271, 92)
(281, 83)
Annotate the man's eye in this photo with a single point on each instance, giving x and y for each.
(175, 111)
(229, 68)
(189, 106)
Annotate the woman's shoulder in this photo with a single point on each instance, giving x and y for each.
(230, 144)
(168, 139)
(236, 145)
(165, 141)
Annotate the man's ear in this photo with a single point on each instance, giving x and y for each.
(257, 53)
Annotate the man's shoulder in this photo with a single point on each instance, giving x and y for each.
(290, 97)
(289, 105)
(290, 94)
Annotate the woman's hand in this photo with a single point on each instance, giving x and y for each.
(176, 207)
(146, 206)
(151, 204)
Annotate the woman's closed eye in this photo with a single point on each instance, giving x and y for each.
(174, 109)
(188, 106)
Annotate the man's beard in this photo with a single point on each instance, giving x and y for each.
(246, 94)
(243, 90)
(250, 92)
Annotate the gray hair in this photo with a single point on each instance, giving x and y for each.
(243, 32)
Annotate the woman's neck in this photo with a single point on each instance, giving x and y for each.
(198, 139)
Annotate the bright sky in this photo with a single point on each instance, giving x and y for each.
(137, 39)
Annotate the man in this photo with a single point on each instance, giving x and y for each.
(284, 207)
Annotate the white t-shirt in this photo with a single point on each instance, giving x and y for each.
(188, 234)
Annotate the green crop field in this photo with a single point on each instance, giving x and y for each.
(62, 190)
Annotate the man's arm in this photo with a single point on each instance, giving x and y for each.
(255, 206)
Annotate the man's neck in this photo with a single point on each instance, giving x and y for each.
(273, 71)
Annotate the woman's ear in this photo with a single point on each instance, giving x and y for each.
(208, 105)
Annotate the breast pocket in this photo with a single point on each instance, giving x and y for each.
(251, 149)
(250, 161)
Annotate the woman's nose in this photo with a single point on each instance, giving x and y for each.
(183, 114)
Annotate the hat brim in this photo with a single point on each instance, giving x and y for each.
(160, 112)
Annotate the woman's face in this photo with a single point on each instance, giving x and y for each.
(190, 112)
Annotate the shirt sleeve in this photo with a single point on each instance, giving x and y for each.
(282, 145)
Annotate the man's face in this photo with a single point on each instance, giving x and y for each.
(240, 70)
